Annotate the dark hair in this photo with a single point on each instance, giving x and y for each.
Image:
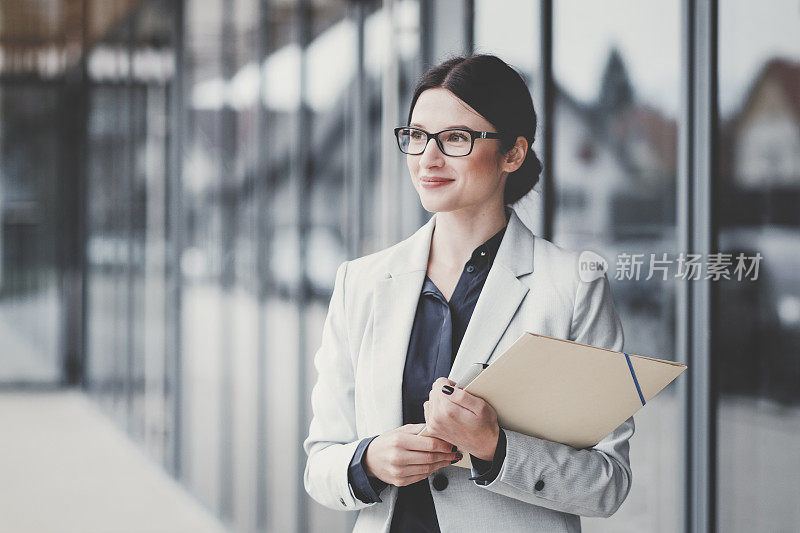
(495, 90)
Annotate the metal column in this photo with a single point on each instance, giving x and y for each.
(174, 206)
(696, 235)
(547, 118)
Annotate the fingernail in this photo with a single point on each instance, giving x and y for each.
(457, 459)
(454, 448)
(447, 389)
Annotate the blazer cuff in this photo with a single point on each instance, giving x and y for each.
(484, 472)
(588, 482)
(325, 476)
(364, 487)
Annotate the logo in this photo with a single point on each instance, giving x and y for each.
(591, 266)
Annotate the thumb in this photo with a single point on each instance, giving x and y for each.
(412, 428)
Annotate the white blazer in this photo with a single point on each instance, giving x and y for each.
(534, 286)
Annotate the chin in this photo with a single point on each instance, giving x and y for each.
(437, 205)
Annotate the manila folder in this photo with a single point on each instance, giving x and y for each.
(568, 392)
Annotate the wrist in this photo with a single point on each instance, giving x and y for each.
(366, 463)
(486, 453)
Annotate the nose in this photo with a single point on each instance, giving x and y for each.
(431, 156)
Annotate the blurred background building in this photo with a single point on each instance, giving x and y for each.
(179, 180)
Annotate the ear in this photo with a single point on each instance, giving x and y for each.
(514, 158)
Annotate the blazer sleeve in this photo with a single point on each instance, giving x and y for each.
(591, 481)
(332, 438)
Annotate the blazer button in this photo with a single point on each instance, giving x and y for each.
(539, 485)
(440, 482)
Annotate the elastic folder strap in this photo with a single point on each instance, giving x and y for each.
(633, 375)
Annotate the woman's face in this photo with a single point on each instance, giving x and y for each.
(473, 181)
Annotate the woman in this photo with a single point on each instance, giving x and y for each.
(405, 323)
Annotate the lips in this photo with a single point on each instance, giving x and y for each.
(434, 182)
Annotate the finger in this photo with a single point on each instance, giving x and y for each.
(429, 444)
(422, 471)
(464, 399)
(411, 457)
(412, 429)
(426, 431)
(413, 479)
(443, 381)
(423, 443)
(441, 408)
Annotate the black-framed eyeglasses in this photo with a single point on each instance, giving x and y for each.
(454, 142)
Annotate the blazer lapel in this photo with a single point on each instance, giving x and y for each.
(395, 300)
(499, 300)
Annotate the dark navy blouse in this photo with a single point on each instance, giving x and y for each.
(438, 329)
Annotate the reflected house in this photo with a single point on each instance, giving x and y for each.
(760, 165)
(615, 161)
(589, 173)
(767, 130)
(647, 142)
(759, 193)
(615, 180)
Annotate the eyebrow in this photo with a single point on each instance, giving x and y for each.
(457, 126)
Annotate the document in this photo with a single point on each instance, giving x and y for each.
(568, 392)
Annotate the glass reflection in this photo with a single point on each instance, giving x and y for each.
(129, 69)
(29, 235)
(32, 99)
(756, 335)
(283, 178)
(615, 172)
(517, 40)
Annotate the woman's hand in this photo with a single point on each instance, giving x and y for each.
(461, 418)
(401, 457)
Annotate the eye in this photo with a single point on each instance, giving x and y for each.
(416, 135)
(457, 137)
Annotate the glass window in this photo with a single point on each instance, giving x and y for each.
(516, 39)
(210, 197)
(756, 318)
(615, 137)
(30, 232)
(33, 151)
(129, 69)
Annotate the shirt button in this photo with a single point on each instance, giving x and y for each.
(440, 482)
(470, 269)
(539, 485)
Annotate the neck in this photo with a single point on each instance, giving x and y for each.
(457, 233)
